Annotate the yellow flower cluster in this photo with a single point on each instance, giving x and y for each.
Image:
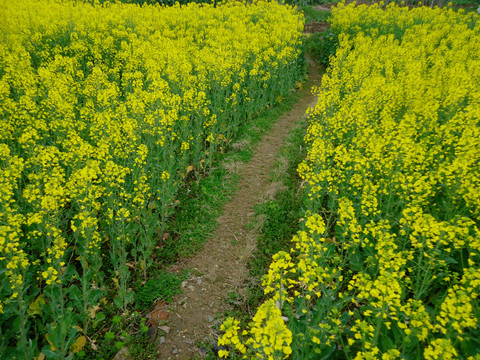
(386, 264)
(104, 109)
(268, 338)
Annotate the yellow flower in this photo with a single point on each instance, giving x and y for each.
(223, 353)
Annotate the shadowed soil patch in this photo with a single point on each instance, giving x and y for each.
(315, 26)
(221, 267)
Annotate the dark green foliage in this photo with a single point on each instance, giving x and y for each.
(163, 286)
(322, 46)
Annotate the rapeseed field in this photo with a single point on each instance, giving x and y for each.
(105, 109)
(386, 264)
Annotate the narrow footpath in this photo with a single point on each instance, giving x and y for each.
(222, 264)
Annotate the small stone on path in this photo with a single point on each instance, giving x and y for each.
(165, 329)
(123, 354)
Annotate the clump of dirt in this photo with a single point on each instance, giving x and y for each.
(221, 267)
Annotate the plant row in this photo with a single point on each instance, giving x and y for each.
(386, 264)
(105, 110)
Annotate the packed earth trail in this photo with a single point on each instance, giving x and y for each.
(221, 267)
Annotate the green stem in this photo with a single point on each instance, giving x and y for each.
(85, 292)
(23, 330)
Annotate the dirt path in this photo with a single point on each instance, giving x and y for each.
(222, 262)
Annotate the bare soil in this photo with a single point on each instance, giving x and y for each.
(221, 267)
(316, 26)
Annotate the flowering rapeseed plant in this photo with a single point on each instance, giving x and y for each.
(386, 264)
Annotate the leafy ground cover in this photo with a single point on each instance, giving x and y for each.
(106, 112)
(386, 262)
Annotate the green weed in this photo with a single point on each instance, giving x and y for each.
(322, 46)
(163, 286)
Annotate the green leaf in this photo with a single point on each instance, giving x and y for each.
(129, 297)
(50, 354)
(75, 294)
(450, 260)
(36, 306)
(118, 302)
(52, 347)
(98, 319)
(71, 272)
(95, 295)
